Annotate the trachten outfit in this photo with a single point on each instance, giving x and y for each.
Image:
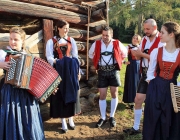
(160, 120)
(146, 46)
(108, 61)
(20, 117)
(65, 103)
(132, 76)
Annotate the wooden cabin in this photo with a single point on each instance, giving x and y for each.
(37, 18)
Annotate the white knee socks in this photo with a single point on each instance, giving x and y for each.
(137, 118)
(114, 103)
(102, 106)
(71, 122)
(64, 124)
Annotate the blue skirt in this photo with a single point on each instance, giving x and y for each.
(132, 77)
(160, 120)
(20, 117)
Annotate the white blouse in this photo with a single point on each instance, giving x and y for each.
(50, 45)
(109, 48)
(170, 57)
(147, 46)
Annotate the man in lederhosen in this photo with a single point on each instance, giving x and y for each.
(107, 55)
(148, 43)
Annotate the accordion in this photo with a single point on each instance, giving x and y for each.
(34, 74)
(175, 96)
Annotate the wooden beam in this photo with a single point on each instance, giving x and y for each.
(79, 1)
(80, 34)
(60, 5)
(48, 31)
(33, 10)
(99, 14)
(97, 23)
(33, 39)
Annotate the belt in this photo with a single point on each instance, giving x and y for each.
(108, 67)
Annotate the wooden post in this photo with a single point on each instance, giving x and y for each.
(87, 54)
(107, 12)
(48, 31)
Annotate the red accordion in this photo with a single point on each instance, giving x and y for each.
(34, 74)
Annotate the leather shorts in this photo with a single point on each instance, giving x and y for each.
(142, 86)
(108, 78)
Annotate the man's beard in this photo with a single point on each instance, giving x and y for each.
(148, 35)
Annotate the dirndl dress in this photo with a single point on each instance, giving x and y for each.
(132, 77)
(160, 120)
(66, 102)
(20, 117)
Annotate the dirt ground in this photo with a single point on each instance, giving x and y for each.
(85, 125)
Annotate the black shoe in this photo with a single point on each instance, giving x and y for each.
(112, 121)
(72, 127)
(64, 131)
(100, 123)
(131, 131)
(131, 107)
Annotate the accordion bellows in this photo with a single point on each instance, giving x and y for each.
(34, 74)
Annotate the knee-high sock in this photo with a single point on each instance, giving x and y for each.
(71, 122)
(114, 103)
(137, 118)
(64, 124)
(102, 106)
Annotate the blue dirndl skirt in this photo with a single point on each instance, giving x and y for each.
(160, 120)
(20, 117)
(132, 77)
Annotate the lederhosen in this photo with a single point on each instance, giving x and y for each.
(142, 86)
(160, 120)
(58, 107)
(108, 75)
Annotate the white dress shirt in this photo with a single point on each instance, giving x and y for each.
(170, 57)
(145, 62)
(109, 48)
(50, 45)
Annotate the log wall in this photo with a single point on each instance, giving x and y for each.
(37, 18)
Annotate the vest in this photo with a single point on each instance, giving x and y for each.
(117, 53)
(58, 51)
(130, 56)
(154, 45)
(167, 68)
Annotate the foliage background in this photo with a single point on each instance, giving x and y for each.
(126, 16)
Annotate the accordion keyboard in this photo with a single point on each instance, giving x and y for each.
(12, 69)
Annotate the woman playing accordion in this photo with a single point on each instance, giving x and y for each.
(20, 116)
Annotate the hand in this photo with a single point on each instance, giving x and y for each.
(137, 53)
(148, 81)
(79, 77)
(5, 65)
(126, 63)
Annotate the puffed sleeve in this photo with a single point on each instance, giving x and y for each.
(2, 56)
(74, 48)
(123, 50)
(152, 64)
(91, 51)
(49, 52)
